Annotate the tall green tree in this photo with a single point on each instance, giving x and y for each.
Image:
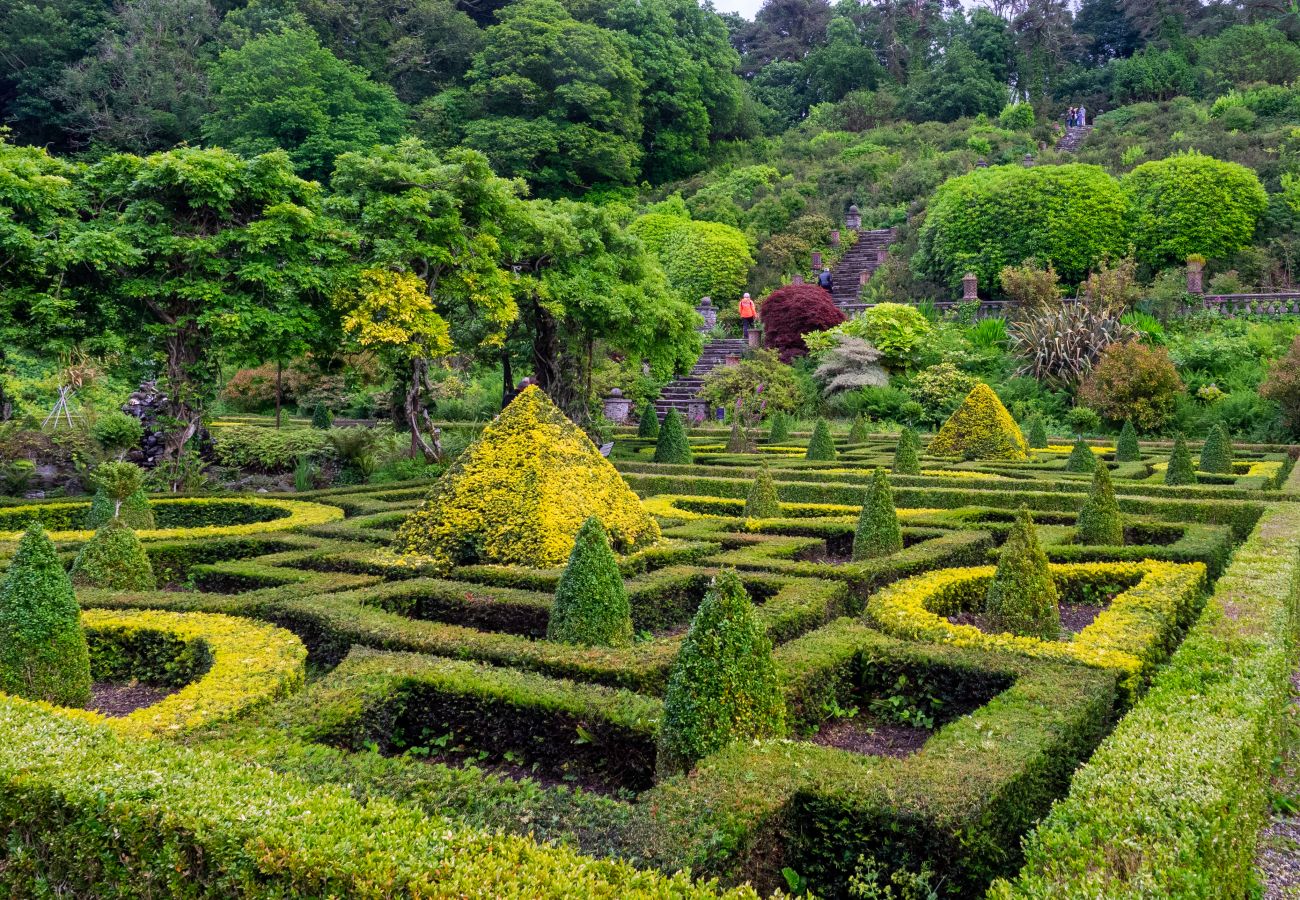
(959, 84)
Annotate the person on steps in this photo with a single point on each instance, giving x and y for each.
(825, 280)
(747, 314)
(1083, 116)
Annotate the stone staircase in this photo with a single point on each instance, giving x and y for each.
(1073, 138)
(683, 393)
(863, 257)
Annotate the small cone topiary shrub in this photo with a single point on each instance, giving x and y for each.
(723, 686)
(762, 502)
(519, 493)
(321, 417)
(114, 559)
(878, 532)
(43, 653)
(673, 445)
(1082, 459)
(591, 605)
(780, 428)
(119, 494)
(858, 433)
(647, 425)
(1037, 436)
(738, 440)
(907, 455)
(981, 428)
(1180, 469)
(1216, 452)
(1126, 448)
(1100, 521)
(822, 446)
(1022, 597)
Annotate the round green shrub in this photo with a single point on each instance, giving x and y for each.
(1180, 470)
(116, 432)
(1037, 436)
(43, 654)
(878, 532)
(1216, 452)
(706, 259)
(114, 559)
(1127, 448)
(134, 511)
(1082, 459)
(1022, 597)
(762, 502)
(1017, 116)
(1099, 519)
(822, 446)
(858, 432)
(779, 431)
(907, 455)
(672, 445)
(591, 606)
(723, 686)
(647, 425)
(321, 417)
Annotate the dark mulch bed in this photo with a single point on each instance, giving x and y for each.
(872, 737)
(115, 699)
(1074, 618)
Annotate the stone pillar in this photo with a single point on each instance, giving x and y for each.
(817, 260)
(707, 313)
(981, 163)
(881, 253)
(1028, 161)
(863, 277)
(696, 412)
(969, 287)
(1195, 271)
(1042, 145)
(618, 409)
(796, 279)
(835, 237)
(853, 221)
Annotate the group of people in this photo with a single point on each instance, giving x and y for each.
(1076, 117)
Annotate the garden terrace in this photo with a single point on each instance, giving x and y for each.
(915, 737)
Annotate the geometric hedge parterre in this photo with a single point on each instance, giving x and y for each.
(444, 745)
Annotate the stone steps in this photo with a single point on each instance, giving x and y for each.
(1073, 138)
(864, 257)
(683, 393)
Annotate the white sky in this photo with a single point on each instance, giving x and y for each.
(748, 8)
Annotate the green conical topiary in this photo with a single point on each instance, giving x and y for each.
(1099, 519)
(1022, 597)
(738, 440)
(647, 425)
(673, 446)
(907, 454)
(822, 445)
(1180, 470)
(1082, 459)
(981, 428)
(591, 605)
(780, 428)
(762, 502)
(321, 417)
(723, 686)
(1216, 452)
(858, 433)
(114, 559)
(878, 533)
(1126, 448)
(1037, 436)
(43, 653)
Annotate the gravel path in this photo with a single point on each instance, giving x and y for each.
(1278, 857)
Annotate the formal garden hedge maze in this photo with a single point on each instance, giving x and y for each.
(337, 715)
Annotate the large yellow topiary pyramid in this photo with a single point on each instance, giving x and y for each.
(981, 428)
(519, 494)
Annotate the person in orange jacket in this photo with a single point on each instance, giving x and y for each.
(747, 315)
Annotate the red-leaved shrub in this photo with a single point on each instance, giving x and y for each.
(790, 312)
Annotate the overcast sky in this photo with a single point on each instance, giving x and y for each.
(748, 8)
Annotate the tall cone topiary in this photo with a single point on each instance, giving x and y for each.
(1037, 436)
(858, 432)
(647, 425)
(673, 445)
(762, 502)
(780, 428)
(1127, 448)
(1180, 469)
(1099, 518)
(723, 686)
(907, 454)
(1022, 597)
(981, 428)
(520, 492)
(738, 440)
(43, 653)
(822, 446)
(322, 417)
(878, 532)
(591, 605)
(114, 559)
(1082, 459)
(1216, 452)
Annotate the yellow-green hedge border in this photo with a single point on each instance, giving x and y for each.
(301, 514)
(1129, 635)
(252, 663)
